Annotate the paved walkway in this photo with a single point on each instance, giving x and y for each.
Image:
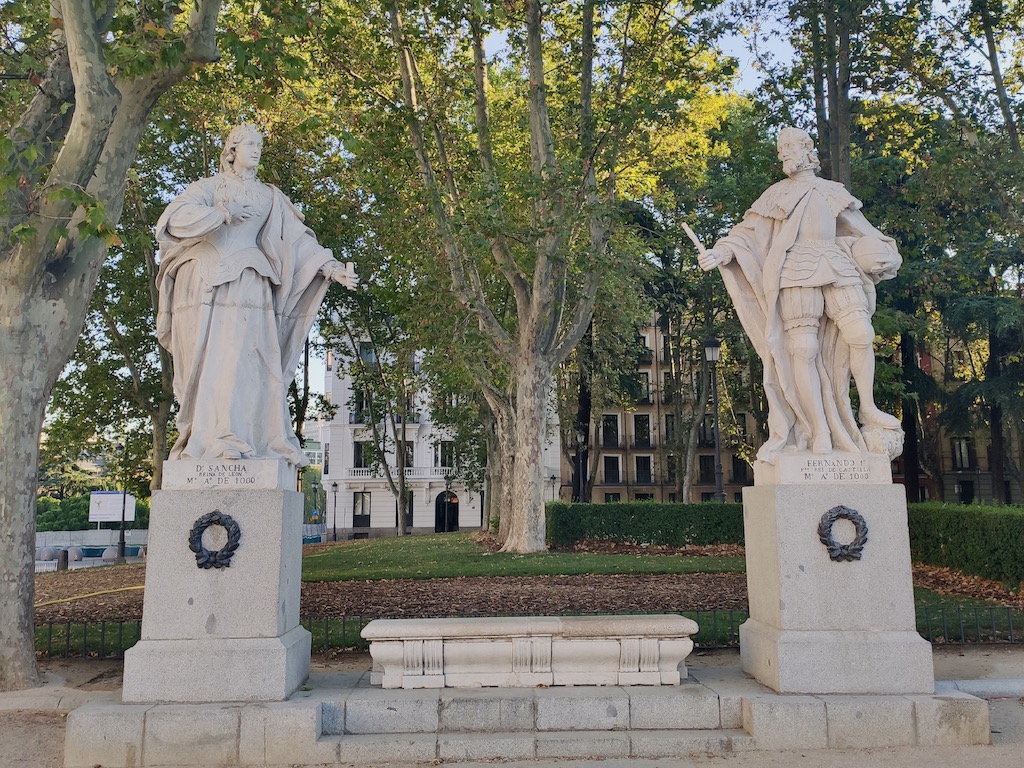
(994, 673)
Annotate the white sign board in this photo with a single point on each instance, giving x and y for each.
(105, 506)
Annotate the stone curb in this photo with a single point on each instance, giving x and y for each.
(984, 689)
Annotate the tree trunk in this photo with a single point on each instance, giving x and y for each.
(842, 117)
(818, 82)
(47, 280)
(159, 421)
(584, 409)
(499, 469)
(34, 344)
(911, 460)
(526, 531)
(492, 482)
(996, 448)
(997, 75)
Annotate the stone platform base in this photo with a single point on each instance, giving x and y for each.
(227, 633)
(342, 720)
(527, 651)
(824, 625)
(839, 662)
(232, 669)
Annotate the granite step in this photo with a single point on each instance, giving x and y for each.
(458, 747)
(686, 707)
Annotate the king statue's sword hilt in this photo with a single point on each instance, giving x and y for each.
(693, 238)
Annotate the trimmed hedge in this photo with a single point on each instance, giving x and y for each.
(985, 541)
(645, 522)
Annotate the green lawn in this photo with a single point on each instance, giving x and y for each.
(456, 554)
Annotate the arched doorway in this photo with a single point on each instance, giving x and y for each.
(446, 512)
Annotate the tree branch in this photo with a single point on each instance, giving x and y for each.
(471, 297)
(499, 244)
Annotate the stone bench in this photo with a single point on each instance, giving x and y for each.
(529, 651)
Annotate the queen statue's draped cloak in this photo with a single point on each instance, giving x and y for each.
(759, 245)
(236, 303)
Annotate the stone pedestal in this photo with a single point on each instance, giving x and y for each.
(230, 633)
(821, 626)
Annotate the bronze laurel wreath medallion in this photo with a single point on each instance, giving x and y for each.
(837, 551)
(219, 558)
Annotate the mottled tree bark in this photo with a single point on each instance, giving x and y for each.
(49, 271)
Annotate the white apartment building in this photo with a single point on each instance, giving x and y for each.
(359, 501)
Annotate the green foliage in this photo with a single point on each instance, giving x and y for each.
(645, 523)
(72, 514)
(979, 540)
(450, 555)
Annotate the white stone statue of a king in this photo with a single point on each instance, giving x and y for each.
(801, 269)
(241, 278)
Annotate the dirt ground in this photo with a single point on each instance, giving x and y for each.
(115, 592)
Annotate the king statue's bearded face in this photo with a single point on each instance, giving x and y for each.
(797, 158)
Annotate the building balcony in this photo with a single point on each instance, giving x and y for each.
(410, 472)
(646, 357)
(642, 442)
(644, 478)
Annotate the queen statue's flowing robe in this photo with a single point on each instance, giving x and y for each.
(236, 302)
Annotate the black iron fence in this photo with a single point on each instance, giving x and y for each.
(939, 624)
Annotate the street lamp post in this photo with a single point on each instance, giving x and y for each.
(553, 479)
(712, 353)
(120, 538)
(316, 500)
(334, 524)
(581, 465)
(124, 503)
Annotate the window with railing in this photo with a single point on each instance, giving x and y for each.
(610, 431)
(359, 413)
(706, 469)
(668, 388)
(407, 449)
(646, 356)
(670, 427)
(643, 393)
(706, 432)
(361, 454)
(444, 453)
(361, 509)
(641, 430)
(964, 456)
(408, 511)
(612, 498)
(611, 469)
(741, 474)
(644, 470)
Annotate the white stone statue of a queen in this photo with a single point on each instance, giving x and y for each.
(240, 281)
(801, 269)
